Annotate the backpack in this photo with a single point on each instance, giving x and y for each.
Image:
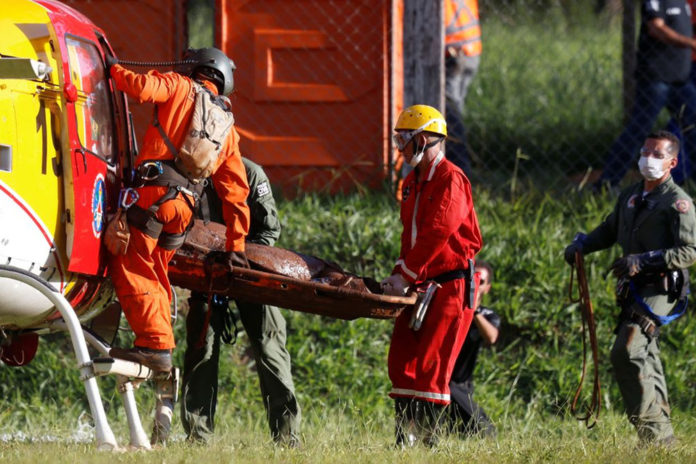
(210, 124)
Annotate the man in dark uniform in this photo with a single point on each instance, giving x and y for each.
(264, 325)
(655, 224)
(465, 416)
(662, 79)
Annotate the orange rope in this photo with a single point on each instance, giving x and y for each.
(588, 326)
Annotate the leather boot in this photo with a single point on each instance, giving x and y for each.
(157, 360)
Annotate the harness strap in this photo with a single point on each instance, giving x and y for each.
(676, 312)
(146, 219)
(173, 241)
(204, 207)
(171, 177)
(165, 137)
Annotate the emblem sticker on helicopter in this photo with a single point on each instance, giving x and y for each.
(98, 205)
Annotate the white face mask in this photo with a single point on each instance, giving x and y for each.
(416, 158)
(651, 168)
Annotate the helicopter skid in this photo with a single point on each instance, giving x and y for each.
(129, 374)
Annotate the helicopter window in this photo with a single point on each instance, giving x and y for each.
(126, 144)
(95, 116)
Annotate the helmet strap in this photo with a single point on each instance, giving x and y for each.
(433, 143)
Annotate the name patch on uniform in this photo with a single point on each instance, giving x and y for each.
(682, 205)
(673, 11)
(631, 203)
(262, 189)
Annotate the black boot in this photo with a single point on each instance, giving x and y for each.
(428, 422)
(404, 409)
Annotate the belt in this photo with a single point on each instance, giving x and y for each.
(467, 274)
(648, 325)
(451, 275)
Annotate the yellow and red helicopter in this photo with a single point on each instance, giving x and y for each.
(65, 139)
(66, 144)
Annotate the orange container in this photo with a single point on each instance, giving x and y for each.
(314, 88)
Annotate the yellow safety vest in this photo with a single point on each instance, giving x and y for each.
(462, 29)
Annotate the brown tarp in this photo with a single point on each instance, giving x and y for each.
(281, 278)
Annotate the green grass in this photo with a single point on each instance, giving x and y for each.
(336, 439)
(549, 85)
(525, 382)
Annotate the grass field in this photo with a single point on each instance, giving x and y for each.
(525, 383)
(333, 438)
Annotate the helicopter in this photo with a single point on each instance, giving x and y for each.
(66, 137)
(67, 142)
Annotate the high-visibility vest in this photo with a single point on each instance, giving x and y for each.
(462, 29)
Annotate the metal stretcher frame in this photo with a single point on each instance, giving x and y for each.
(187, 270)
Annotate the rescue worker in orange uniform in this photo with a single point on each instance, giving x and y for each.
(439, 240)
(167, 199)
(462, 56)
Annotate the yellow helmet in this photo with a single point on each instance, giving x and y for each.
(420, 118)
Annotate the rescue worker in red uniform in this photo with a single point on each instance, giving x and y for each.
(439, 240)
(140, 276)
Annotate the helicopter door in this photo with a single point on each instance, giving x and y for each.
(93, 156)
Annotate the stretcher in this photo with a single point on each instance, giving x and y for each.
(281, 278)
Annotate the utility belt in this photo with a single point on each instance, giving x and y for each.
(673, 283)
(646, 323)
(429, 288)
(467, 274)
(163, 173)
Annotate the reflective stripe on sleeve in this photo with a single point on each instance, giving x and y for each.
(400, 263)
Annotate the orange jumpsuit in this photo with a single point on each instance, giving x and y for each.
(140, 276)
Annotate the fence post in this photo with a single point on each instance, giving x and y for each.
(424, 64)
(628, 56)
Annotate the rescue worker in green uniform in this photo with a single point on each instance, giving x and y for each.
(655, 225)
(264, 325)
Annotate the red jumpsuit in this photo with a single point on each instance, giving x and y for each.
(140, 276)
(440, 232)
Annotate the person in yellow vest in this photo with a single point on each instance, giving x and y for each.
(462, 55)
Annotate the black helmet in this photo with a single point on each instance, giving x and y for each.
(212, 63)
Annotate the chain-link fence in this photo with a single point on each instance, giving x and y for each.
(318, 84)
(548, 100)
